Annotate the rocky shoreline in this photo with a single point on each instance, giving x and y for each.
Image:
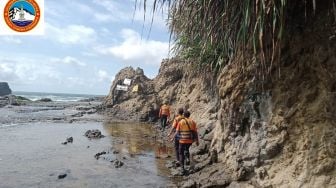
(25, 114)
(16, 109)
(25, 111)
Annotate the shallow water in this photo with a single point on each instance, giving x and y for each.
(31, 155)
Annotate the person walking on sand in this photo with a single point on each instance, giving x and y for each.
(177, 119)
(164, 114)
(187, 131)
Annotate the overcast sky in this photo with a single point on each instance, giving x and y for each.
(86, 43)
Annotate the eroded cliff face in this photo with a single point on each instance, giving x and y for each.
(279, 132)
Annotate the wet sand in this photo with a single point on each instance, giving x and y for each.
(32, 155)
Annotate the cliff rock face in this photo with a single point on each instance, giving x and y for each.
(4, 89)
(277, 132)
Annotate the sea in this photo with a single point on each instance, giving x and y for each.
(58, 97)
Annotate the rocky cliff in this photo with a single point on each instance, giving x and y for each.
(280, 131)
(132, 101)
(274, 132)
(4, 89)
(177, 83)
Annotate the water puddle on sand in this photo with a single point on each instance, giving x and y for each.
(32, 156)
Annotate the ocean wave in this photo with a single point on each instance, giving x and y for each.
(57, 97)
(8, 125)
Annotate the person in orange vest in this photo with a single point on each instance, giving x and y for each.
(177, 119)
(164, 114)
(187, 131)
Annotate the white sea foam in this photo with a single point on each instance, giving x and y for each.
(58, 97)
(8, 125)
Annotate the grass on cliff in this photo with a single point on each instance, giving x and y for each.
(215, 32)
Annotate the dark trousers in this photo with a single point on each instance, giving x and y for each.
(164, 121)
(184, 152)
(177, 146)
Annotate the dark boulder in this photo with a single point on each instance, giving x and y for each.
(68, 140)
(118, 164)
(97, 156)
(4, 89)
(94, 134)
(45, 100)
(62, 176)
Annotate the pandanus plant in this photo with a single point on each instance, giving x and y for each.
(215, 32)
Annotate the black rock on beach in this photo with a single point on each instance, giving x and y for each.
(94, 134)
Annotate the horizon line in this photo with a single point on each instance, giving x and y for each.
(59, 93)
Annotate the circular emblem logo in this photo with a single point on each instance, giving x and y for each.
(22, 15)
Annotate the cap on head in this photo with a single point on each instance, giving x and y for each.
(186, 114)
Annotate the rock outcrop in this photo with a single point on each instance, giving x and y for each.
(131, 101)
(276, 132)
(4, 89)
(177, 83)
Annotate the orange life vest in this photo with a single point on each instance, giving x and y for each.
(164, 110)
(177, 119)
(186, 127)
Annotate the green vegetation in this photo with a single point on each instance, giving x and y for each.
(216, 32)
(20, 98)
